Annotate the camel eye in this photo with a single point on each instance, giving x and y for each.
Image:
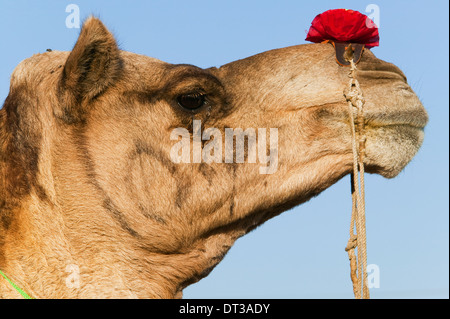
(191, 101)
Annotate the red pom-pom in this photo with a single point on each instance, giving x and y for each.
(343, 25)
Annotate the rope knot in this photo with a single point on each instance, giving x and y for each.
(354, 95)
(352, 243)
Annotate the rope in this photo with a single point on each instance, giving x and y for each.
(358, 264)
(20, 291)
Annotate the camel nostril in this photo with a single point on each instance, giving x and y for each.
(380, 69)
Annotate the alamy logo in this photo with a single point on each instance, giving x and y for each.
(73, 19)
(373, 16)
(373, 276)
(73, 279)
(217, 150)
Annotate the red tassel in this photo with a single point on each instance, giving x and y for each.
(341, 25)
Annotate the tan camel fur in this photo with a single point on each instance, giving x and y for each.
(88, 186)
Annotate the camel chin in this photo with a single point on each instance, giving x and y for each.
(385, 155)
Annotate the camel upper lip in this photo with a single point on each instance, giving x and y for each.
(405, 110)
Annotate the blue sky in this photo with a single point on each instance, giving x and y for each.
(299, 254)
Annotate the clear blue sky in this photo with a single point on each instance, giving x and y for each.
(299, 254)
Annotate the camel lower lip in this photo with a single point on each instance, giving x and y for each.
(390, 148)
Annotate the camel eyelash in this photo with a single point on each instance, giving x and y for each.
(192, 101)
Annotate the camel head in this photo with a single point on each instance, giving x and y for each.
(144, 173)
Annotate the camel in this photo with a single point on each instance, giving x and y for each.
(92, 205)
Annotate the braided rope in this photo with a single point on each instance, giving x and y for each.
(358, 264)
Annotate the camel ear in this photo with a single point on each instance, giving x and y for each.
(93, 65)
